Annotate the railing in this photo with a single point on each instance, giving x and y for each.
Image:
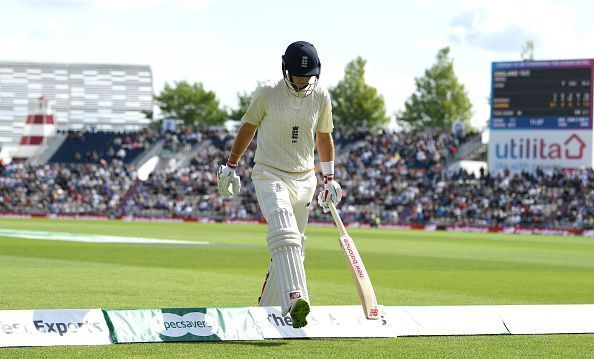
(184, 157)
(466, 149)
(172, 160)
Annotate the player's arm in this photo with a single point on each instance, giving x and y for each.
(324, 141)
(250, 122)
(244, 137)
(228, 181)
(332, 191)
(325, 146)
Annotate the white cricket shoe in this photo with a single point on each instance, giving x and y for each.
(299, 311)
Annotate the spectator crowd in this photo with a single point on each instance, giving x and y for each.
(388, 177)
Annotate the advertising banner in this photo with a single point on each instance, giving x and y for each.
(94, 327)
(445, 320)
(182, 324)
(53, 327)
(548, 319)
(523, 150)
(541, 114)
(323, 322)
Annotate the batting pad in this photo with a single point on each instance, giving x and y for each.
(285, 246)
(290, 275)
(270, 292)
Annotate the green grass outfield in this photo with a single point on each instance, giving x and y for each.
(407, 268)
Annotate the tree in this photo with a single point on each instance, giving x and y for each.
(439, 99)
(244, 100)
(190, 104)
(356, 104)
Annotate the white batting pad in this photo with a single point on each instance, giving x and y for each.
(270, 296)
(290, 275)
(285, 246)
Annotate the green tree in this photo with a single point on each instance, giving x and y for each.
(439, 99)
(190, 104)
(354, 103)
(244, 100)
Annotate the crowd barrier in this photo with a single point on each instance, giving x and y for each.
(54, 327)
(428, 227)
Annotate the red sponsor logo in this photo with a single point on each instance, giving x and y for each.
(374, 312)
(353, 256)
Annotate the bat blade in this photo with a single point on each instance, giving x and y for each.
(360, 277)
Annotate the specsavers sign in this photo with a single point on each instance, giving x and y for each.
(182, 324)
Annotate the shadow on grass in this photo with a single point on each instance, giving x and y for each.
(255, 343)
(270, 343)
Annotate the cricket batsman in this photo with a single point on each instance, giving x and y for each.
(292, 116)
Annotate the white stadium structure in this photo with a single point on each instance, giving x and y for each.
(82, 96)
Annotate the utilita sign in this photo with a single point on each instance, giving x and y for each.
(526, 150)
(541, 115)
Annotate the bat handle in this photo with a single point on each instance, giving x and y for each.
(337, 220)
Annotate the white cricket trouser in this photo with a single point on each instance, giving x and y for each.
(285, 204)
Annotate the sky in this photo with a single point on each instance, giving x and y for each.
(230, 46)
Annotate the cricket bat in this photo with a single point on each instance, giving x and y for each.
(360, 276)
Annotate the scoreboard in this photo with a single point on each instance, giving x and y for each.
(545, 94)
(541, 114)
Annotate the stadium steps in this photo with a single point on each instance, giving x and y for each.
(148, 154)
(128, 195)
(468, 150)
(186, 156)
(480, 154)
(52, 146)
(172, 161)
(404, 215)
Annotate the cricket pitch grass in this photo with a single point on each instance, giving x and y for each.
(412, 268)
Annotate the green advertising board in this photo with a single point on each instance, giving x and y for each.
(182, 324)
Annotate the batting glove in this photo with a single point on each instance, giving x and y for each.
(228, 181)
(332, 192)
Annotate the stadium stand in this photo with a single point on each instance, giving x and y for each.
(91, 146)
(389, 178)
(63, 188)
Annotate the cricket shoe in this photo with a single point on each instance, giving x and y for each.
(299, 311)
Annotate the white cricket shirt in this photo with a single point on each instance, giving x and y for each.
(287, 125)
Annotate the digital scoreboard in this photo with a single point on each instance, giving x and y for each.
(542, 94)
(541, 114)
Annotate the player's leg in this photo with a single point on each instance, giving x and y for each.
(302, 193)
(284, 244)
(304, 196)
(270, 293)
